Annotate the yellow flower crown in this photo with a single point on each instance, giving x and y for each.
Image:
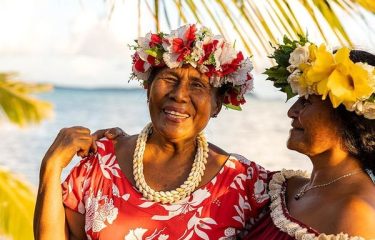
(304, 68)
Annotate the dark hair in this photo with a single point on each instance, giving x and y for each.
(358, 132)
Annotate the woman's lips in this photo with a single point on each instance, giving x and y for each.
(175, 116)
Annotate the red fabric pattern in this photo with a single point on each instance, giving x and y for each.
(114, 209)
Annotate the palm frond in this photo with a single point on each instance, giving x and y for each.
(17, 105)
(367, 4)
(258, 23)
(17, 202)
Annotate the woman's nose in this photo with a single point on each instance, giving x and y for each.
(180, 92)
(294, 110)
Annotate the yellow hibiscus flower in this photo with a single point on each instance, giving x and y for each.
(322, 65)
(348, 83)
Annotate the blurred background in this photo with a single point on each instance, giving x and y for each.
(67, 63)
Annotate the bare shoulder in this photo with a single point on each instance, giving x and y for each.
(217, 150)
(357, 213)
(125, 142)
(218, 155)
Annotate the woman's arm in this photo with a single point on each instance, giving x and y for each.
(49, 217)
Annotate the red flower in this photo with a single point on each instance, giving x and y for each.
(155, 40)
(151, 60)
(208, 49)
(190, 34)
(233, 66)
(138, 63)
(181, 47)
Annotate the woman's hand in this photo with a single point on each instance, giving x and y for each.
(69, 141)
(110, 133)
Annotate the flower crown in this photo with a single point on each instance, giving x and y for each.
(210, 54)
(304, 68)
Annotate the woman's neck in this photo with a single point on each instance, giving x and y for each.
(167, 149)
(332, 164)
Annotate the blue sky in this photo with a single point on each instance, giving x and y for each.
(73, 43)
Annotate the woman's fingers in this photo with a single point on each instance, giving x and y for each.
(110, 133)
(84, 144)
(95, 136)
(69, 141)
(114, 133)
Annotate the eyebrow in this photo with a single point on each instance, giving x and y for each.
(193, 78)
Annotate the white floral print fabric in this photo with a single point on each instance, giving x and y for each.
(114, 209)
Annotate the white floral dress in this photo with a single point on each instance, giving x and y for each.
(114, 209)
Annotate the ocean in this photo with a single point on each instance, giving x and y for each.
(258, 132)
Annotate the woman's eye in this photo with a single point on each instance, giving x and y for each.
(170, 80)
(197, 85)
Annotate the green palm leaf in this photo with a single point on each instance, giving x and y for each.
(17, 202)
(16, 103)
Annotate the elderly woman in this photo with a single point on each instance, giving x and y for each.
(333, 124)
(167, 182)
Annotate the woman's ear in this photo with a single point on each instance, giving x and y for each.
(218, 105)
(146, 86)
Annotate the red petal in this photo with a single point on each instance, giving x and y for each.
(190, 33)
(151, 60)
(155, 38)
(177, 45)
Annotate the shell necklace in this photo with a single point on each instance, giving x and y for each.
(305, 189)
(190, 184)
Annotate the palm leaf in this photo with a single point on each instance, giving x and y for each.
(17, 105)
(367, 4)
(17, 202)
(257, 23)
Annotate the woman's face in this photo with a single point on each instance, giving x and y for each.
(181, 102)
(313, 129)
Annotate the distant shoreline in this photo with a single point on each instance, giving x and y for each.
(117, 89)
(73, 88)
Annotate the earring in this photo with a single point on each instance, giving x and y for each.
(214, 115)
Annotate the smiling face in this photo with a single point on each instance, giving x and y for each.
(181, 102)
(314, 130)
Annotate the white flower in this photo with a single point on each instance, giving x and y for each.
(203, 68)
(240, 76)
(215, 81)
(368, 110)
(99, 212)
(295, 84)
(170, 60)
(224, 55)
(141, 75)
(144, 44)
(197, 52)
(204, 31)
(300, 55)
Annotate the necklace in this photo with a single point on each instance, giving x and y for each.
(190, 184)
(305, 189)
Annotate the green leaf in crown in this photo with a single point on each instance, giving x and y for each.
(279, 74)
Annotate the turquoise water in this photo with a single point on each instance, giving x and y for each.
(259, 132)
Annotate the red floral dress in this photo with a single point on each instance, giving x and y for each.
(223, 208)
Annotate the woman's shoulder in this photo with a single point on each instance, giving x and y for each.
(357, 211)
